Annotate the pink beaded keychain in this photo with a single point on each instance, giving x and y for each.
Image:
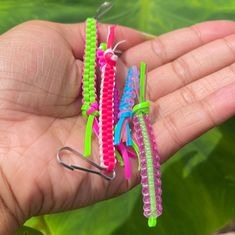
(106, 106)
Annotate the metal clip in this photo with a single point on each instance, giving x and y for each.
(76, 167)
(103, 9)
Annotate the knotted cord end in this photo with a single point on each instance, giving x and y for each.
(91, 112)
(143, 107)
(122, 127)
(152, 222)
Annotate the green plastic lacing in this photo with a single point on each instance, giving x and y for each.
(103, 46)
(119, 158)
(88, 134)
(89, 95)
(139, 110)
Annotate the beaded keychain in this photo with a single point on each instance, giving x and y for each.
(122, 130)
(110, 112)
(101, 61)
(149, 158)
(106, 106)
(90, 104)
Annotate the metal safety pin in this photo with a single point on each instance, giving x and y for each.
(103, 9)
(76, 167)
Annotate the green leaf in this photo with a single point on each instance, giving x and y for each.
(199, 202)
(101, 218)
(153, 16)
(27, 231)
(196, 202)
(199, 182)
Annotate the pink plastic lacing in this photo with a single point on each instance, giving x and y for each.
(124, 152)
(106, 119)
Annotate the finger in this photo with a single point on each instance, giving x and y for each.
(75, 35)
(52, 78)
(195, 91)
(186, 124)
(169, 46)
(194, 65)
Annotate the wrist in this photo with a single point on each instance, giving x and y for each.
(10, 214)
(8, 221)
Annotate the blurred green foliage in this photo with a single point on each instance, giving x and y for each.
(199, 182)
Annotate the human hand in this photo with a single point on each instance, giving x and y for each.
(190, 84)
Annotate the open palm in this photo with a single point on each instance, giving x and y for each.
(191, 85)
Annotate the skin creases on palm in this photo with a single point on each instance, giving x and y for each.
(40, 100)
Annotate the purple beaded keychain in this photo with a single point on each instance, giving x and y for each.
(149, 158)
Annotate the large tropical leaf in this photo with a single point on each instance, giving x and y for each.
(199, 189)
(199, 192)
(199, 182)
(28, 231)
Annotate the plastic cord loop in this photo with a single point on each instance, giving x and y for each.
(142, 108)
(110, 39)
